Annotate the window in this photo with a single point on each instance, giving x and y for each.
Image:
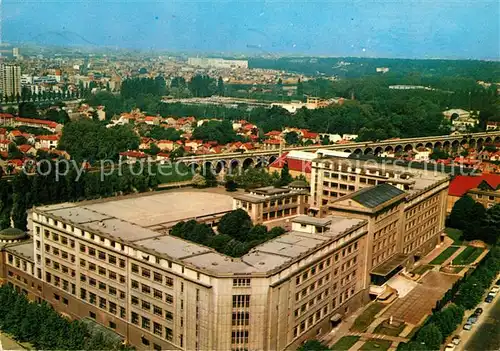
(91, 251)
(157, 310)
(169, 316)
(134, 300)
(135, 318)
(146, 323)
(112, 325)
(146, 289)
(157, 277)
(169, 335)
(146, 305)
(135, 284)
(102, 255)
(92, 315)
(241, 301)
(102, 302)
(157, 329)
(122, 263)
(56, 297)
(112, 259)
(146, 273)
(169, 298)
(135, 268)
(112, 307)
(157, 294)
(169, 281)
(237, 282)
(240, 318)
(112, 291)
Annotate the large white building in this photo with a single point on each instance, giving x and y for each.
(205, 62)
(10, 80)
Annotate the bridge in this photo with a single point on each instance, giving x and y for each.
(261, 158)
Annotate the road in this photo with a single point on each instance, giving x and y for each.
(490, 310)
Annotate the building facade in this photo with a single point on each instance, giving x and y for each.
(10, 80)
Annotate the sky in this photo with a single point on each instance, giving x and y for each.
(369, 28)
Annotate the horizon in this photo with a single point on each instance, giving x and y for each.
(418, 29)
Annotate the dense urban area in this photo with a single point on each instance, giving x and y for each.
(173, 202)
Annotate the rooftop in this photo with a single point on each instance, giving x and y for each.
(377, 195)
(133, 219)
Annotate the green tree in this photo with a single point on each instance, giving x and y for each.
(220, 87)
(285, 176)
(431, 336)
(231, 185)
(460, 213)
(236, 224)
(292, 138)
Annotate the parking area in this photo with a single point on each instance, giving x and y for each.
(420, 301)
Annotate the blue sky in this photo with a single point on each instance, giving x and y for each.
(383, 28)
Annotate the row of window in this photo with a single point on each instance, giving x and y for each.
(280, 202)
(420, 241)
(312, 287)
(60, 283)
(111, 290)
(338, 186)
(386, 214)
(421, 229)
(241, 282)
(157, 294)
(157, 277)
(101, 255)
(421, 218)
(102, 271)
(241, 301)
(147, 306)
(159, 330)
(57, 252)
(308, 323)
(103, 303)
(310, 304)
(388, 228)
(57, 237)
(279, 213)
(59, 267)
(18, 263)
(384, 254)
(421, 206)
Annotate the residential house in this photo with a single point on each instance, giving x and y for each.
(152, 120)
(492, 125)
(132, 157)
(482, 188)
(165, 145)
(46, 141)
(4, 144)
(298, 162)
(422, 154)
(27, 149)
(38, 123)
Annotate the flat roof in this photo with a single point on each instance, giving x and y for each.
(390, 265)
(151, 210)
(24, 249)
(104, 217)
(304, 219)
(377, 195)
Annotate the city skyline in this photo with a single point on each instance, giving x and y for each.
(417, 29)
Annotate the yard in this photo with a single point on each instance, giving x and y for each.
(469, 255)
(391, 330)
(376, 344)
(367, 317)
(345, 343)
(445, 255)
(455, 234)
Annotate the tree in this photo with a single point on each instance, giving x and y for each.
(460, 213)
(292, 138)
(231, 185)
(431, 336)
(285, 176)
(220, 87)
(28, 109)
(300, 88)
(313, 345)
(236, 224)
(199, 181)
(491, 225)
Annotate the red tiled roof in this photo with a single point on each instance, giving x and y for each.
(47, 137)
(293, 164)
(163, 154)
(272, 141)
(273, 133)
(16, 133)
(134, 154)
(309, 135)
(3, 131)
(16, 162)
(461, 184)
(248, 146)
(50, 124)
(6, 142)
(6, 115)
(25, 148)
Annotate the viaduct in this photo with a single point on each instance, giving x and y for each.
(262, 158)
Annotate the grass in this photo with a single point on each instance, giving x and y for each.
(445, 255)
(376, 344)
(386, 329)
(345, 343)
(469, 255)
(170, 173)
(422, 269)
(367, 317)
(455, 234)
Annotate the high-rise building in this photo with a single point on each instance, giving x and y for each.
(10, 80)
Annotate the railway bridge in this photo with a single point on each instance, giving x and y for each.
(262, 158)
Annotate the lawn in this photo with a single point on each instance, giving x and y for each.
(422, 269)
(386, 329)
(469, 255)
(345, 343)
(455, 234)
(170, 173)
(367, 317)
(445, 255)
(376, 344)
